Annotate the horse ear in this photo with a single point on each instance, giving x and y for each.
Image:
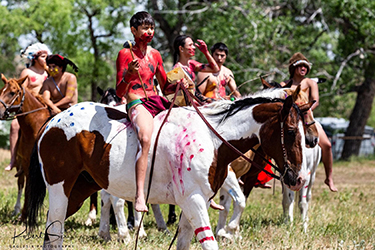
(265, 84)
(305, 107)
(4, 79)
(22, 80)
(100, 90)
(286, 107)
(296, 93)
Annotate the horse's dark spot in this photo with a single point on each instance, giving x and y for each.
(137, 86)
(115, 114)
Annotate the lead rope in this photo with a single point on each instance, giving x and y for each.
(153, 159)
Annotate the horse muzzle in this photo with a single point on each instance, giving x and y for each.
(293, 181)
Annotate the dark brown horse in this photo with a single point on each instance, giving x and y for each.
(32, 113)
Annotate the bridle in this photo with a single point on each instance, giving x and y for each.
(9, 107)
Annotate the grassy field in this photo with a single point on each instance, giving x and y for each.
(343, 220)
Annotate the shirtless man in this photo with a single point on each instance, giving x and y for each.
(212, 85)
(135, 81)
(299, 67)
(36, 75)
(60, 89)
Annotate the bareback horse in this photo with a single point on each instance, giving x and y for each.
(190, 160)
(248, 173)
(31, 113)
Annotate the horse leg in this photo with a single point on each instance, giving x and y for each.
(195, 210)
(186, 233)
(159, 218)
(93, 205)
(20, 185)
(225, 201)
(239, 202)
(58, 203)
(104, 216)
(288, 201)
(118, 208)
(172, 217)
(138, 225)
(130, 215)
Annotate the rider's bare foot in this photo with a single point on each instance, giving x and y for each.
(329, 183)
(9, 167)
(216, 206)
(140, 205)
(265, 186)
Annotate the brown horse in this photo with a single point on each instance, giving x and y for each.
(31, 113)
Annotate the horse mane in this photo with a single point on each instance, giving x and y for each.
(224, 109)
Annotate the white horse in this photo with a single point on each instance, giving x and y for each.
(312, 158)
(190, 163)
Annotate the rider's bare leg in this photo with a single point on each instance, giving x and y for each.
(13, 137)
(327, 158)
(143, 122)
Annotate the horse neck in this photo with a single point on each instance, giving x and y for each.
(34, 118)
(240, 125)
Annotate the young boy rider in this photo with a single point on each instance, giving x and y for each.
(143, 103)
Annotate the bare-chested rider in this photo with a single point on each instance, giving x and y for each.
(36, 74)
(299, 67)
(213, 85)
(60, 89)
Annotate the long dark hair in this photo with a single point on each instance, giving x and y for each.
(180, 40)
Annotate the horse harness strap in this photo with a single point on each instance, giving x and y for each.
(230, 145)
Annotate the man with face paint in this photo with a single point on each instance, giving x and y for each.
(135, 81)
(299, 67)
(36, 72)
(60, 89)
(213, 85)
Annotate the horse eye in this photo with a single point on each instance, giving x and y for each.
(12, 93)
(291, 132)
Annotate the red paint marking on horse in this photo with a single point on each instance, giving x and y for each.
(211, 238)
(201, 150)
(201, 229)
(307, 186)
(33, 78)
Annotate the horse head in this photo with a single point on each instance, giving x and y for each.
(282, 121)
(11, 96)
(109, 96)
(300, 97)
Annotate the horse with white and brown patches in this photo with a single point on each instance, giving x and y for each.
(249, 174)
(31, 113)
(190, 161)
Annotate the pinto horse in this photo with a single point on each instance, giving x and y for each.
(191, 161)
(232, 191)
(31, 114)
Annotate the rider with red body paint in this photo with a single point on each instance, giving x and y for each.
(142, 103)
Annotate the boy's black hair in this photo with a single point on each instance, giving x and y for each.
(61, 62)
(180, 40)
(140, 18)
(221, 47)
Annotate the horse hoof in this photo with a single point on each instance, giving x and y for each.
(171, 219)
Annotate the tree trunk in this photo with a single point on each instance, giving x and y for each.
(361, 111)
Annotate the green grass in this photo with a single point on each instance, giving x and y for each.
(343, 220)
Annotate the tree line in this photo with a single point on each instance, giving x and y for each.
(336, 36)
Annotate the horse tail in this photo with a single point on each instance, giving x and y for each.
(35, 188)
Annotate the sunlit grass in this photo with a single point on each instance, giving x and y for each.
(343, 220)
